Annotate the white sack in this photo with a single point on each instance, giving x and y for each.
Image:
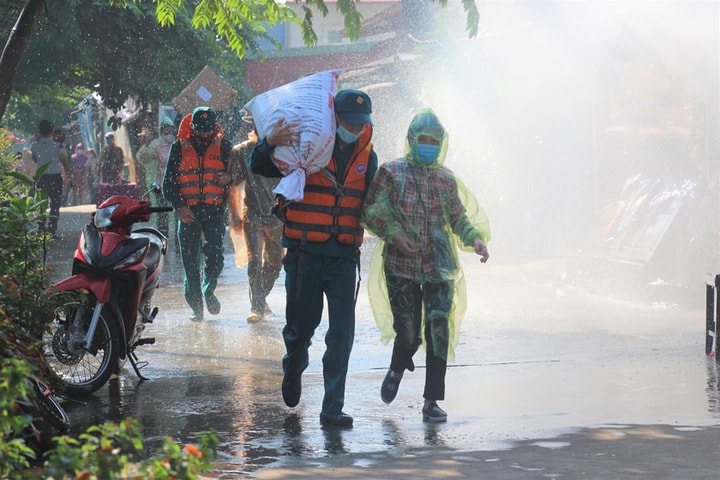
(307, 101)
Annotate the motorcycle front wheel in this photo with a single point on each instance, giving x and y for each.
(80, 369)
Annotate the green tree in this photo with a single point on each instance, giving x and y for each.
(113, 43)
(84, 47)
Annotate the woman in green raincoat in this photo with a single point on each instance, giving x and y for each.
(419, 210)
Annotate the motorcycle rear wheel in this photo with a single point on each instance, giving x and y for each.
(81, 370)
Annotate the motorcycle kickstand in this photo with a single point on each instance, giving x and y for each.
(133, 358)
(137, 365)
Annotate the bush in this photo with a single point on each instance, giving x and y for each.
(23, 307)
(114, 450)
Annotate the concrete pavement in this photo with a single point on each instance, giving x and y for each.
(548, 383)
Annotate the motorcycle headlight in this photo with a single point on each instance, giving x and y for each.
(102, 216)
(132, 259)
(85, 250)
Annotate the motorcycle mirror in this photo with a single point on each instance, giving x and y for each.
(154, 188)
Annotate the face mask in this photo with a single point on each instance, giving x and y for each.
(426, 154)
(347, 136)
(169, 137)
(80, 151)
(110, 141)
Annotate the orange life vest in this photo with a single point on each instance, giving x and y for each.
(197, 176)
(331, 206)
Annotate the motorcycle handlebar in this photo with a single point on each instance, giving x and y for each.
(160, 209)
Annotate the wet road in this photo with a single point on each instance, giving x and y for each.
(545, 377)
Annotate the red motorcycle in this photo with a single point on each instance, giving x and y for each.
(107, 300)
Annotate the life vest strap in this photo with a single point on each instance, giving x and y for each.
(329, 229)
(335, 211)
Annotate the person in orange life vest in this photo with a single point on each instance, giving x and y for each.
(322, 234)
(195, 183)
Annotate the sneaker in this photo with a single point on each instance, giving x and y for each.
(213, 304)
(340, 420)
(389, 387)
(291, 390)
(254, 317)
(196, 316)
(433, 413)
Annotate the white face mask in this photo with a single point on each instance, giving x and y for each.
(168, 137)
(346, 135)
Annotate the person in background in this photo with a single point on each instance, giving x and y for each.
(159, 153)
(417, 207)
(79, 174)
(251, 204)
(112, 161)
(196, 183)
(45, 151)
(144, 176)
(322, 234)
(91, 166)
(58, 136)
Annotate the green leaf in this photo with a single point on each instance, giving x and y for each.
(473, 17)
(22, 178)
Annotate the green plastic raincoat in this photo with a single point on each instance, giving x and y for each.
(436, 211)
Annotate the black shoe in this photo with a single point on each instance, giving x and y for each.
(291, 390)
(339, 420)
(433, 413)
(213, 304)
(389, 387)
(196, 316)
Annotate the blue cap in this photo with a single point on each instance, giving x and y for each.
(354, 106)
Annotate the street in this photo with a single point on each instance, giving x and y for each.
(549, 381)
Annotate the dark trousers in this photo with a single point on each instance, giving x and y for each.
(264, 261)
(333, 277)
(407, 300)
(52, 184)
(202, 238)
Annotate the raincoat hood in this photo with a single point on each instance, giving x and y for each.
(166, 138)
(166, 122)
(427, 123)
